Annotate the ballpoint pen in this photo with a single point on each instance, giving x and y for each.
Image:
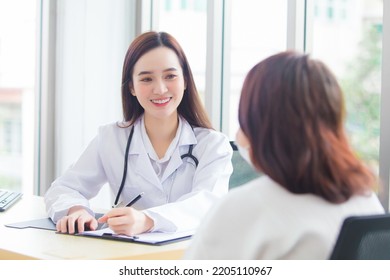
(138, 197)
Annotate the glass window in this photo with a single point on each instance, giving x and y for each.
(350, 43)
(258, 29)
(186, 20)
(17, 82)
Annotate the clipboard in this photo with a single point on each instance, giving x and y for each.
(149, 238)
(44, 223)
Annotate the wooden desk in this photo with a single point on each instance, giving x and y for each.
(32, 243)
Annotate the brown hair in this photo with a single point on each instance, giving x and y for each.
(190, 108)
(292, 111)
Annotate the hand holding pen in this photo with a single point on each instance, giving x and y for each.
(127, 220)
(121, 204)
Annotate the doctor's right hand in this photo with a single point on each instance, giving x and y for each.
(78, 219)
(127, 221)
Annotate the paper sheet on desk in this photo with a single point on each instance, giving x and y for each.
(153, 238)
(44, 223)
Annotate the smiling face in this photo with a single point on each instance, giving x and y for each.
(158, 83)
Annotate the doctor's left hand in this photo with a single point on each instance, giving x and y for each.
(127, 220)
(77, 220)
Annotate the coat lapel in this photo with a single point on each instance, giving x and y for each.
(187, 138)
(143, 166)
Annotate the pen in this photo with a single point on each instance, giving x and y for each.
(122, 204)
(138, 197)
(112, 234)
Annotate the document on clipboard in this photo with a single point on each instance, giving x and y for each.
(151, 238)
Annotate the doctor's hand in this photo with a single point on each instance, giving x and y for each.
(78, 219)
(127, 220)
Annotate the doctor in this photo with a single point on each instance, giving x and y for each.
(164, 148)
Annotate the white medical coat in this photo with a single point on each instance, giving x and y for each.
(176, 202)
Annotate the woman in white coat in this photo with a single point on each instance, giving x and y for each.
(171, 153)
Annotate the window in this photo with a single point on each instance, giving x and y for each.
(346, 34)
(257, 29)
(17, 93)
(350, 43)
(186, 20)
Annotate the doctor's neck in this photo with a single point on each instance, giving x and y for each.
(161, 132)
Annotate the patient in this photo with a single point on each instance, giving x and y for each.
(291, 117)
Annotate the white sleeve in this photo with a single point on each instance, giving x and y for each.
(78, 184)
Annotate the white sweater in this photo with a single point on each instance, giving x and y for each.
(262, 220)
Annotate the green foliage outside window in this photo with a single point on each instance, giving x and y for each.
(362, 87)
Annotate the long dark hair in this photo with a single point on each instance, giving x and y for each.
(190, 108)
(292, 111)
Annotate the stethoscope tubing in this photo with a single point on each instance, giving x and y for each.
(129, 139)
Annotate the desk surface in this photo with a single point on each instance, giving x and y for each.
(33, 243)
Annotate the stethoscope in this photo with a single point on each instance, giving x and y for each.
(188, 154)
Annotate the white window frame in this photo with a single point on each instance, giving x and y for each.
(44, 169)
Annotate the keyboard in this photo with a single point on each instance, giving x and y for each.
(8, 198)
